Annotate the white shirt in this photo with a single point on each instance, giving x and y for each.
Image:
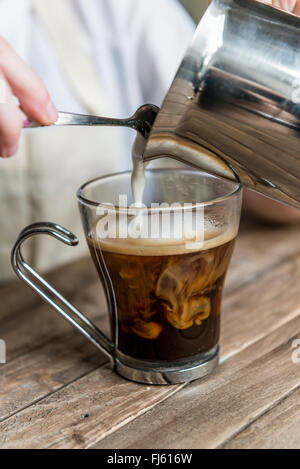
(137, 46)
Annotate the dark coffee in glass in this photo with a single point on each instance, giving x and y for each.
(168, 298)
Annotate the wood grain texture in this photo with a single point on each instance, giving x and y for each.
(263, 321)
(35, 375)
(260, 248)
(26, 322)
(252, 312)
(57, 421)
(207, 413)
(54, 377)
(251, 328)
(277, 429)
(43, 352)
(17, 297)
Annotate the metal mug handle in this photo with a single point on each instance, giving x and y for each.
(26, 273)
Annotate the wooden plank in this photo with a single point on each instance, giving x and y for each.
(25, 331)
(106, 416)
(246, 322)
(207, 413)
(277, 429)
(50, 368)
(260, 248)
(66, 278)
(26, 328)
(43, 352)
(76, 415)
(110, 403)
(260, 307)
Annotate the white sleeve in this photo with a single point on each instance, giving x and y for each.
(165, 35)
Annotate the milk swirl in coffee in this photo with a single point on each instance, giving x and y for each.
(168, 298)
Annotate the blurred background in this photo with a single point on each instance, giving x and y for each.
(196, 8)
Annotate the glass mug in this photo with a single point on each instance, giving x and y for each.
(163, 282)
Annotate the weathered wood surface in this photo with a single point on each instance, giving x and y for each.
(206, 414)
(277, 429)
(54, 378)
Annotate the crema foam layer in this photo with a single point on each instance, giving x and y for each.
(213, 237)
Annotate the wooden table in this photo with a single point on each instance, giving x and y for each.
(56, 390)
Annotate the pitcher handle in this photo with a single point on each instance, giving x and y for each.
(43, 288)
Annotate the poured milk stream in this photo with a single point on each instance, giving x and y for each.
(173, 243)
(138, 178)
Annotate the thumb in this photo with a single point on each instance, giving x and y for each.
(290, 6)
(297, 8)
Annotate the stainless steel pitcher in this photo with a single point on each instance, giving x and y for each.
(237, 96)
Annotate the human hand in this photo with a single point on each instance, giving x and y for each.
(291, 6)
(17, 79)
